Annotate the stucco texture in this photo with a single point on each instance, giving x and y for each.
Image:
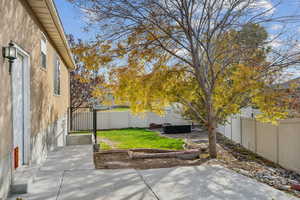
(19, 24)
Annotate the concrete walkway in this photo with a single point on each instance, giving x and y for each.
(68, 174)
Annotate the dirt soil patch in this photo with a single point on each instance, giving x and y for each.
(120, 159)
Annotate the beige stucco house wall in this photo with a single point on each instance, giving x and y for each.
(26, 23)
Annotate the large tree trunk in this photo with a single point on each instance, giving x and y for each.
(212, 138)
(212, 132)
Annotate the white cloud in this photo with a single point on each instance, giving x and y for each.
(88, 15)
(276, 27)
(260, 6)
(275, 42)
(265, 5)
(290, 74)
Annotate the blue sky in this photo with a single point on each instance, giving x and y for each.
(72, 19)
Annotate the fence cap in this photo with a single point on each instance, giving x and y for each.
(101, 107)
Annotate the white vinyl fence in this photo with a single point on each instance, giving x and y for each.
(119, 120)
(280, 144)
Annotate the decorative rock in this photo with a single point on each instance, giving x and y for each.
(272, 170)
(295, 187)
(244, 172)
(203, 147)
(284, 187)
(283, 182)
(293, 182)
(268, 177)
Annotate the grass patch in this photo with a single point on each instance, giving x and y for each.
(104, 146)
(140, 138)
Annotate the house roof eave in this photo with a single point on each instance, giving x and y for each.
(47, 15)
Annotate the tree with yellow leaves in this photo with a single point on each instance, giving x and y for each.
(210, 57)
(84, 79)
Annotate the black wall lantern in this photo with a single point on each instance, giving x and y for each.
(10, 53)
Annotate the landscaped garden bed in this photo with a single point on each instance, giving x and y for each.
(142, 149)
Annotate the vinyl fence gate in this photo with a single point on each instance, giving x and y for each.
(84, 119)
(80, 119)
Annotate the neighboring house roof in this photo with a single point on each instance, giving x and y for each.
(47, 14)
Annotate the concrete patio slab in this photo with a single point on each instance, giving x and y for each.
(69, 158)
(208, 183)
(23, 177)
(69, 174)
(104, 185)
(45, 187)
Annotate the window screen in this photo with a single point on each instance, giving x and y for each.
(43, 52)
(57, 76)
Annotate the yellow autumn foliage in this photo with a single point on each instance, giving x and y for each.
(151, 80)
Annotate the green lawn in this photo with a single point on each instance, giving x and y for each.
(140, 138)
(105, 146)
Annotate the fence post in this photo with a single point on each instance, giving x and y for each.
(231, 127)
(241, 130)
(95, 124)
(278, 143)
(68, 120)
(71, 118)
(255, 136)
(129, 119)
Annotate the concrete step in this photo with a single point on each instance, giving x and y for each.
(79, 139)
(23, 177)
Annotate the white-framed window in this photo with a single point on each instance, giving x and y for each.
(56, 81)
(43, 56)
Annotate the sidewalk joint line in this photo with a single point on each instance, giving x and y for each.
(60, 185)
(148, 186)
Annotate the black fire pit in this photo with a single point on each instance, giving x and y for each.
(173, 129)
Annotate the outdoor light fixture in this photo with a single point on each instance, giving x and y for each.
(10, 53)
